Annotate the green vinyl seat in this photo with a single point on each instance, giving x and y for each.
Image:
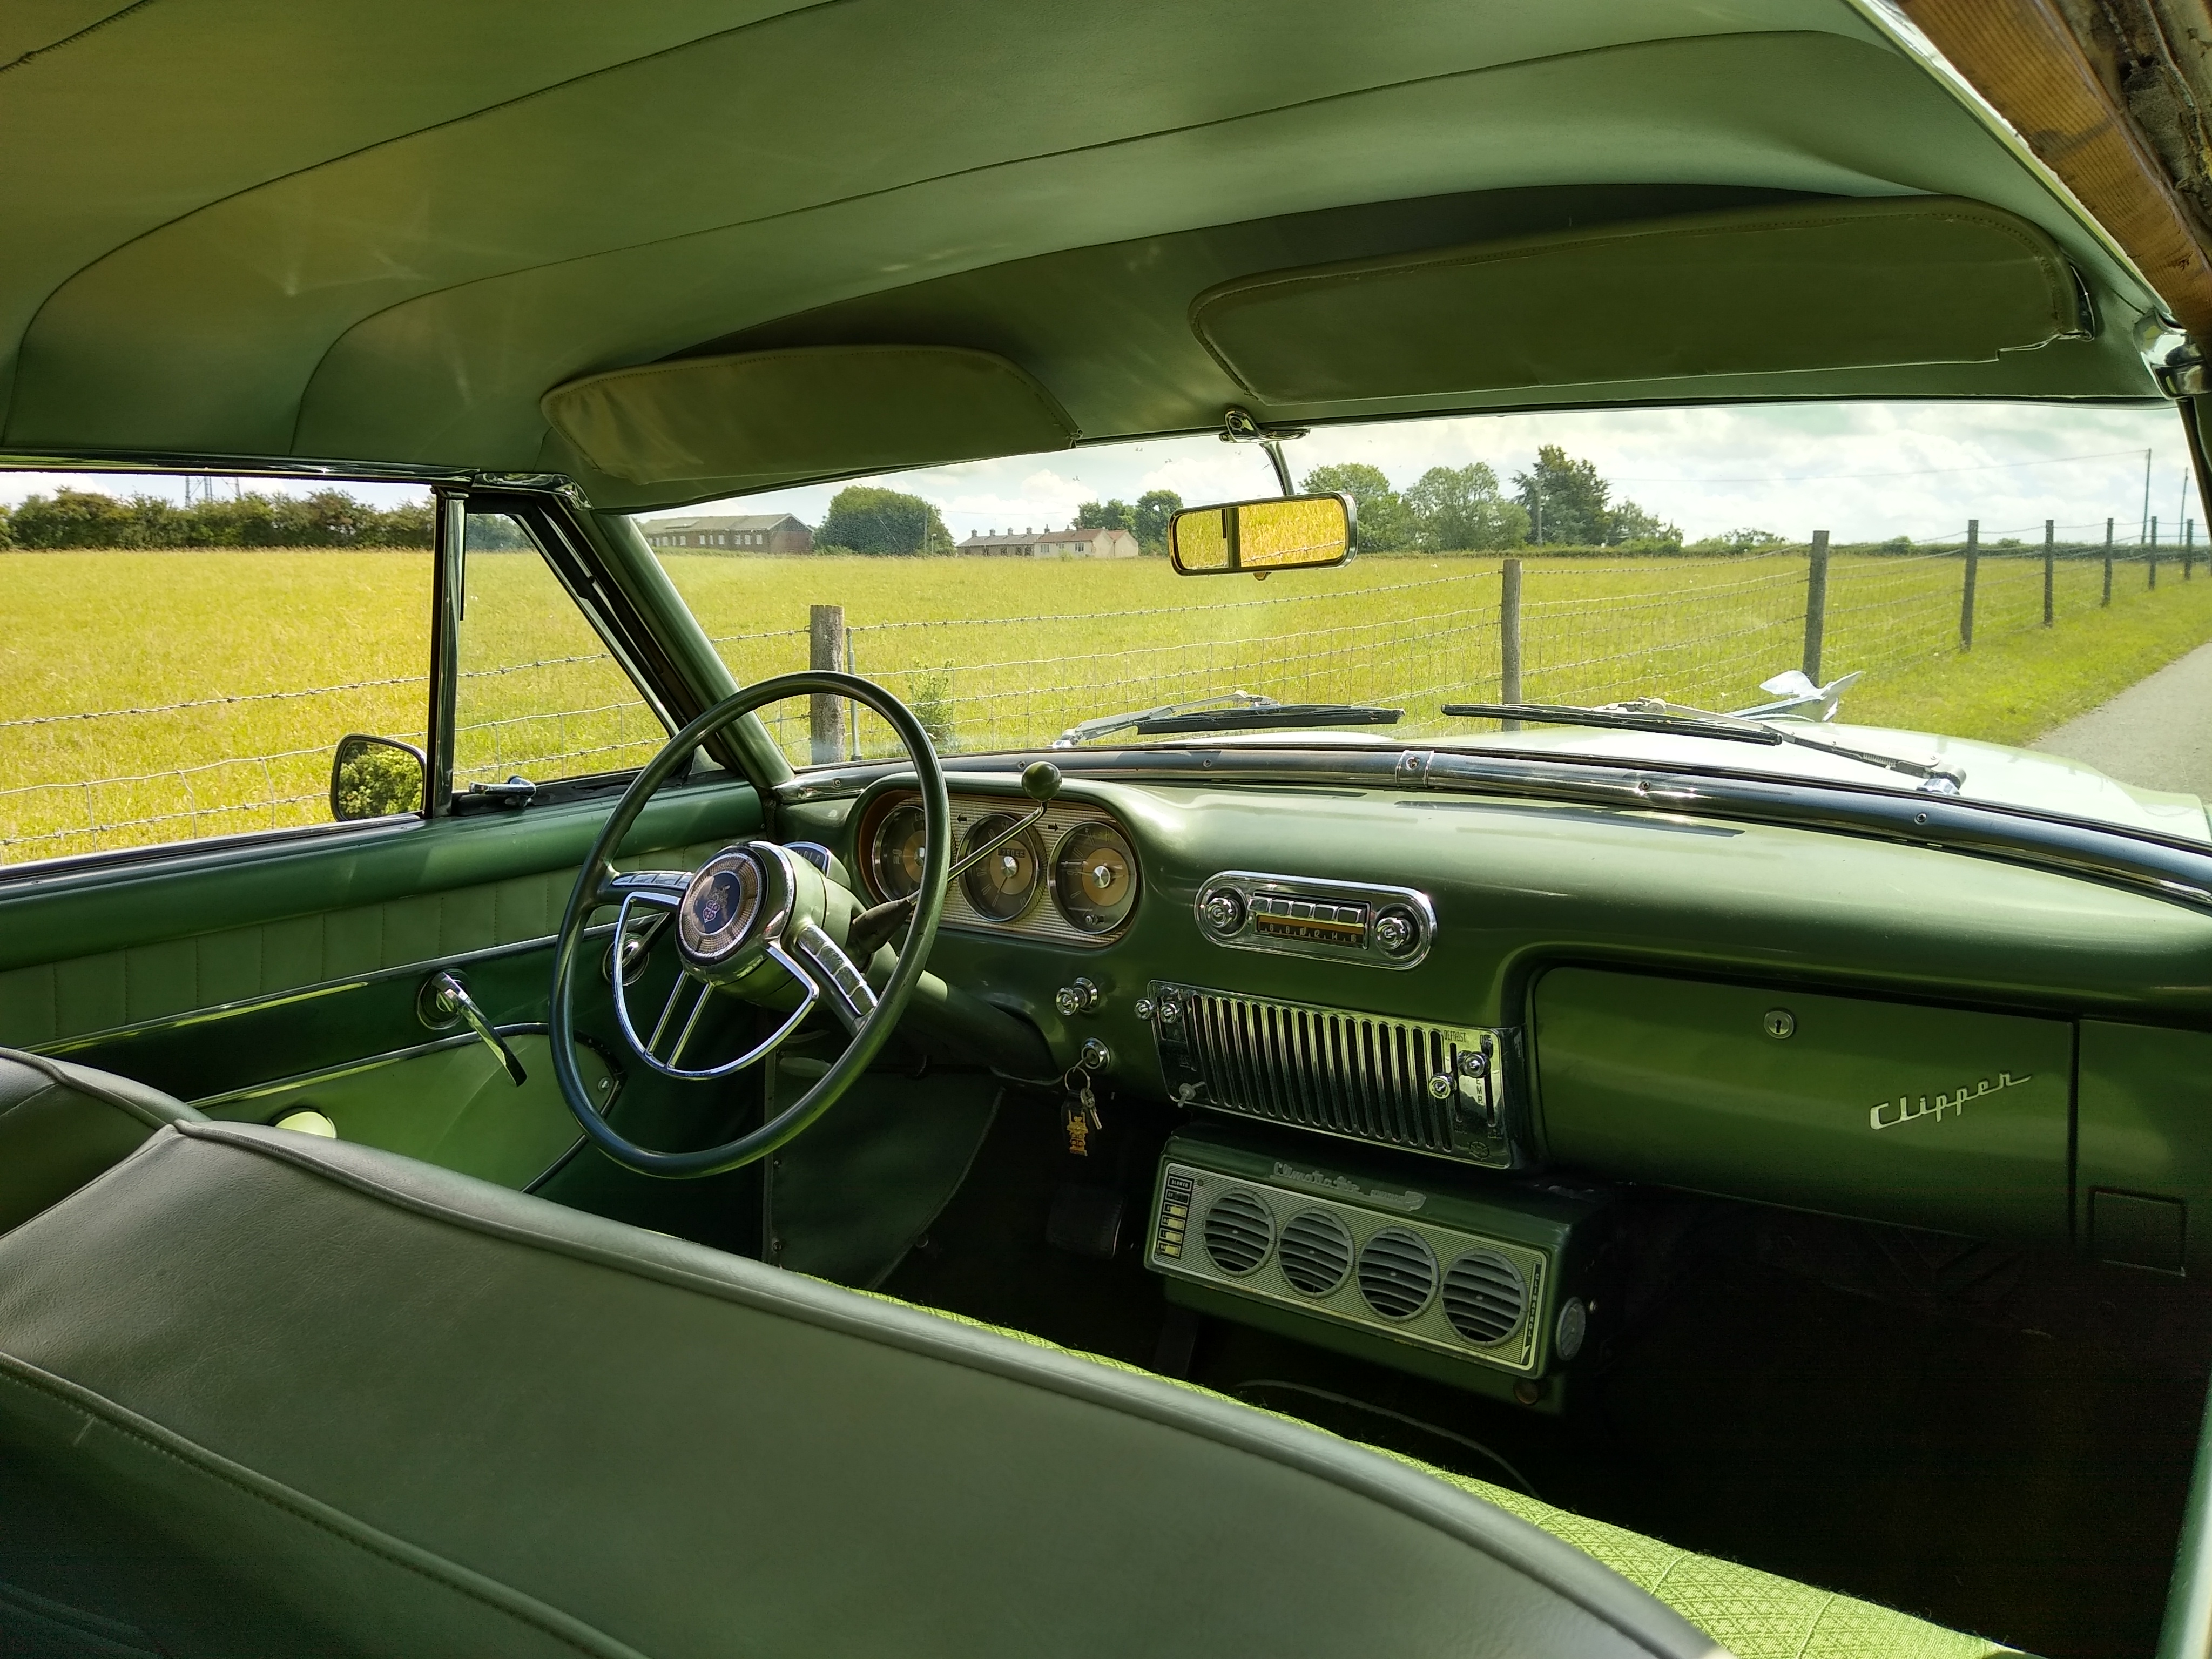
(61, 1124)
(262, 1392)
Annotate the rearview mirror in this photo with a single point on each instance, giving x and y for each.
(1285, 532)
(376, 778)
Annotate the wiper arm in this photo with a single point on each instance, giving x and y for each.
(1657, 714)
(1232, 711)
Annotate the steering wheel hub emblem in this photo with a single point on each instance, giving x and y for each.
(738, 899)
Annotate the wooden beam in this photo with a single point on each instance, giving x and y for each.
(2023, 58)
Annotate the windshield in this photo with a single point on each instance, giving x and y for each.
(2003, 601)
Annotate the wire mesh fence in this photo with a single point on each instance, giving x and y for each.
(1596, 627)
(1077, 640)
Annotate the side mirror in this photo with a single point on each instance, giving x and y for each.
(376, 778)
(1285, 532)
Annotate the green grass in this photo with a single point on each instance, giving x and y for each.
(1000, 652)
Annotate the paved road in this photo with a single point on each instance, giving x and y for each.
(2157, 734)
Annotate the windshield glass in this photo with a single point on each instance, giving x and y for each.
(2011, 596)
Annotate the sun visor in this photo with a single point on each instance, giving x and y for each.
(1848, 284)
(813, 411)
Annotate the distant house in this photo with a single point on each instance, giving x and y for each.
(748, 532)
(1069, 544)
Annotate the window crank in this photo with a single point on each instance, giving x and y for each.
(445, 1001)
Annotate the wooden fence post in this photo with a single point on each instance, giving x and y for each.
(2050, 566)
(2107, 599)
(2153, 552)
(1966, 594)
(1509, 639)
(1816, 603)
(826, 718)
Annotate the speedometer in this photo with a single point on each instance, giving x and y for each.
(1007, 880)
(895, 858)
(1094, 877)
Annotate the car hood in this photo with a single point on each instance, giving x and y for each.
(2000, 776)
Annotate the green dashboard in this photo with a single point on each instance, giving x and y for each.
(1864, 1027)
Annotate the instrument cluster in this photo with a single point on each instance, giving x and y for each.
(1070, 876)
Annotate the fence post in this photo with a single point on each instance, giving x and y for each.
(825, 649)
(2153, 552)
(2188, 546)
(2107, 599)
(1967, 595)
(2050, 566)
(1508, 638)
(1816, 603)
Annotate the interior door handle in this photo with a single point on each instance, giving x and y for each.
(445, 999)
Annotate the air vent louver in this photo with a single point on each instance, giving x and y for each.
(1397, 1273)
(1315, 1253)
(1239, 1230)
(1485, 1297)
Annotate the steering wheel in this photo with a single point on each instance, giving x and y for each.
(756, 923)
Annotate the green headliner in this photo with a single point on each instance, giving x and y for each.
(380, 233)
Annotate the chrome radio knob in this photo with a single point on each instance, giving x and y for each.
(1224, 912)
(1396, 933)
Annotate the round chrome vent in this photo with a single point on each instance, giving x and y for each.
(1239, 1229)
(1485, 1297)
(1315, 1253)
(1397, 1273)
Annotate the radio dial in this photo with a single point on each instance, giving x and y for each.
(1396, 933)
(1224, 912)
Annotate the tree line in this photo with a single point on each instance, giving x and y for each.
(328, 518)
(1560, 502)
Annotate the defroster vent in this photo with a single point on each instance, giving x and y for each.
(1315, 1253)
(1397, 1273)
(1238, 1230)
(1485, 1297)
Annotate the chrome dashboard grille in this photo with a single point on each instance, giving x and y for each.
(1424, 1087)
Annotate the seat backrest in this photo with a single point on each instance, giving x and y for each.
(61, 1124)
(442, 1417)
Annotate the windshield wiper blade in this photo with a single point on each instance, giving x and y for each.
(1232, 711)
(1657, 714)
(1619, 718)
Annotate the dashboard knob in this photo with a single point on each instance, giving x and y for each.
(1077, 998)
(1394, 931)
(1472, 1062)
(1441, 1086)
(1224, 912)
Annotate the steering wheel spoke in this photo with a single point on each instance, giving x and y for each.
(666, 887)
(750, 924)
(842, 985)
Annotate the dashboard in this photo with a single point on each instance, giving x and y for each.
(1454, 1025)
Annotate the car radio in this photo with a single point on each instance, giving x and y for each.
(1299, 915)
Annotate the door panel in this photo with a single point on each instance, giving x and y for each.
(215, 974)
(449, 1103)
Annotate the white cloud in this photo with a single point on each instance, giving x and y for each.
(1861, 470)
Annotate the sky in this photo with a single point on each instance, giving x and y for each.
(1862, 471)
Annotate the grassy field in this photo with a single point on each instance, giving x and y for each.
(222, 679)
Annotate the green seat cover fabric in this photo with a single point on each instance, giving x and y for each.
(61, 1124)
(434, 1416)
(1753, 1614)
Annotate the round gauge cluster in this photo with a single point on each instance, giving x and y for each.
(1087, 871)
